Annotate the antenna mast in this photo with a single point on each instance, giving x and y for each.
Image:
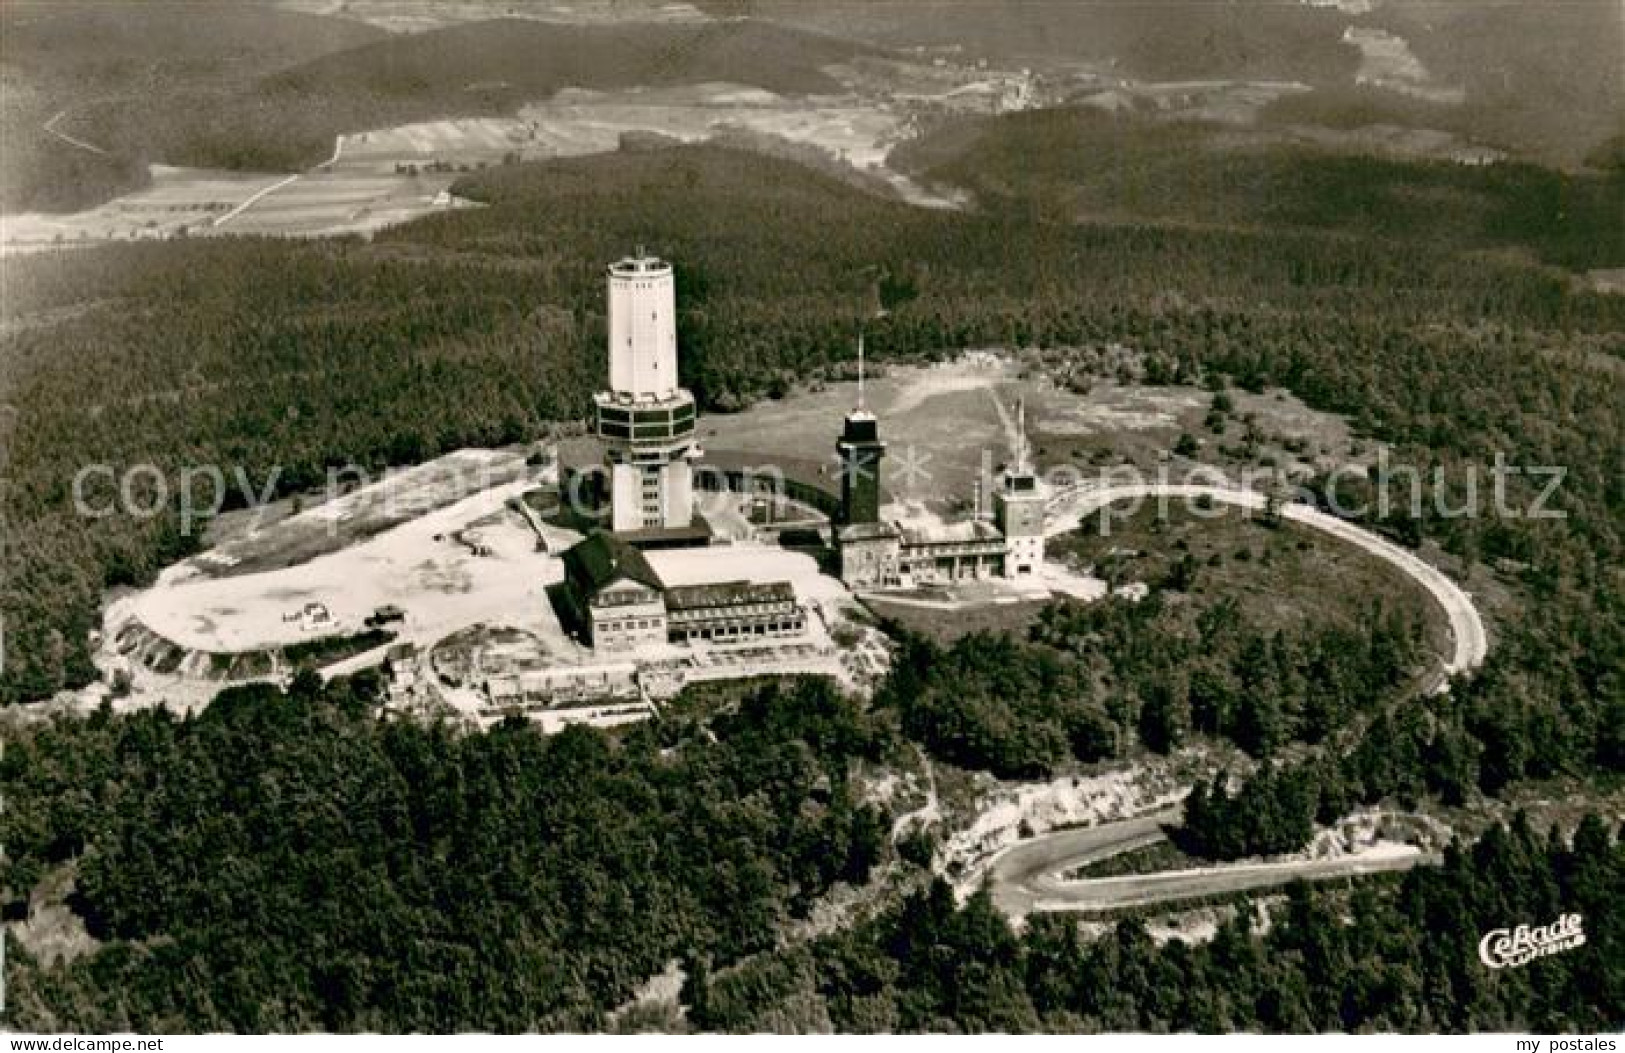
(1021, 435)
(860, 369)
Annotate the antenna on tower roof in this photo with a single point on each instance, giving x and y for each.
(860, 369)
(1021, 435)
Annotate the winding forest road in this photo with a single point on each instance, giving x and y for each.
(1028, 876)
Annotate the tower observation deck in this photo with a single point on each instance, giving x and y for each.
(646, 421)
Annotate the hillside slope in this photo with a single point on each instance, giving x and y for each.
(1077, 164)
(66, 64)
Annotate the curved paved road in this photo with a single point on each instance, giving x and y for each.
(1026, 877)
(1027, 873)
(1471, 642)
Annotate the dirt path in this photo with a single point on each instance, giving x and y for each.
(51, 129)
(261, 195)
(253, 199)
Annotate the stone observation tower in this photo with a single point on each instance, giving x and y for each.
(1018, 508)
(646, 421)
(860, 449)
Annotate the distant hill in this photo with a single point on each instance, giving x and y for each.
(1538, 78)
(1081, 164)
(1157, 40)
(286, 117)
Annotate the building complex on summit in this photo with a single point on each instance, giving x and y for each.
(875, 553)
(645, 428)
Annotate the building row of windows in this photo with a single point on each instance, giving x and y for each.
(782, 627)
(629, 630)
(699, 614)
(630, 625)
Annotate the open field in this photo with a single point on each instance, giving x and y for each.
(180, 201)
(948, 423)
(346, 519)
(188, 202)
(343, 201)
(946, 625)
(576, 121)
(938, 421)
(419, 565)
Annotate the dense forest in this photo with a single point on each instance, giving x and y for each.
(1368, 959)
(1084, 163)
(284, 861)
(483, 326)
(1100, 676)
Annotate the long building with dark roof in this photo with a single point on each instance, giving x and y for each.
(615, 599)
(734, 610)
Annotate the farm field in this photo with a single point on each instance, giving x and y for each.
(343, 201)
(179, 201)
(187, 202)
(387, 176)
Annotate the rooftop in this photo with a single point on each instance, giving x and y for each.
(639, 266)
(868, 532)
(601, 559)
(728, 594)
(696, 535)
(951, 533)
(805, 471)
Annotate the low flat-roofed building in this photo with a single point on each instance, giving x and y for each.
(814, 483)
(971, 549)
(734, 610)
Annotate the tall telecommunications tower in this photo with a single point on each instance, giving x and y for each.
(646, 421)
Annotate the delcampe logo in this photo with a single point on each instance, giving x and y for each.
(1509, 948)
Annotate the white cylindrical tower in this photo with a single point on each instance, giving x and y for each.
(645, 419)
(642, 328)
